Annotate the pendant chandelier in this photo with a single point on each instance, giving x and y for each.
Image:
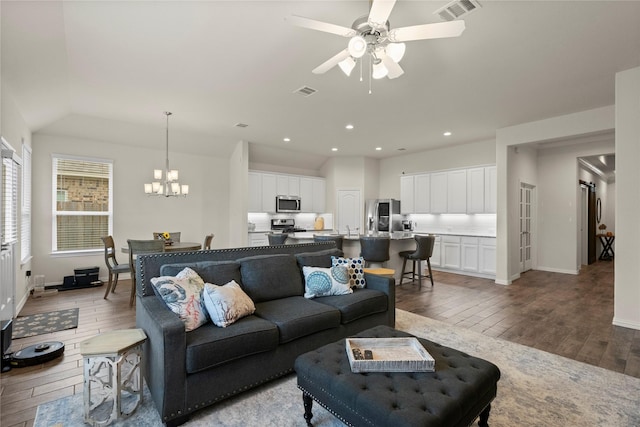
(169, 186)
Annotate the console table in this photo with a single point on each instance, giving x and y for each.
(607, 248)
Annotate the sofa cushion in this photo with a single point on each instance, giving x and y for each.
(269, 277)
(226, 304)
(320, 281)
(210, 346)
(361, 303)
(297, 317)
(317, 259)
(183, 295)
(210, 271)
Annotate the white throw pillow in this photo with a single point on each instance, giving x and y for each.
(226, 304)
(320, 282)
(183, 296)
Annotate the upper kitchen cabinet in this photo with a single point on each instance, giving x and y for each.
(407, 197)
(438, 192)
(264, 187)
(312, 194)
(288, 185)
(415, 194)
(490, 189)
(457, 191)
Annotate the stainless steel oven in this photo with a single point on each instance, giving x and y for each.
(287, 204)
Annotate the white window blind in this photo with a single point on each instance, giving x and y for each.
(25, 212)
(82, 203)
(10, 184)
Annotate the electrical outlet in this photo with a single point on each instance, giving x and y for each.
(28, 273)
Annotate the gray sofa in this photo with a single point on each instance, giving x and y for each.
(186, 371)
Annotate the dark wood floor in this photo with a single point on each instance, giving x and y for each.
(562, 314)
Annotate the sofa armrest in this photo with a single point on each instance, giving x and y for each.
(386, 285)
(164, 355)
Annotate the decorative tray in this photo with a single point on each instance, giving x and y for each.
(388, 355)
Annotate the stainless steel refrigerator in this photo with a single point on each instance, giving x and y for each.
(383, 215)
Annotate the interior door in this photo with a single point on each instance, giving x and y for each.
(526, 225)
(349, 211)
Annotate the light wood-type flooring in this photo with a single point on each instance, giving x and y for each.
(562, 314)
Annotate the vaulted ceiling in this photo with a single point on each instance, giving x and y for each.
(113, 67)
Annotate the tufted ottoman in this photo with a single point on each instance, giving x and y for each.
(460, 390)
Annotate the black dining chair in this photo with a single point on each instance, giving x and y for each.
(329, 238)
(207, 241)
(423, 252)
(139, 247)
(112, 264)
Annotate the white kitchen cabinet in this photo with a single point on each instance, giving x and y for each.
(255, 192)
(422, 193)
(258, 239)
(490, 189)
(288, 185)
(450, 248)
(312, 194)
(319, 195)
(457, 191)
(469, 253)
(306, 194)
(407, 190)
(475, 190)
(269, 192)
(487, 255)
(438, 192)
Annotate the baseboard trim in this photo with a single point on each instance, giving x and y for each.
(557, 270)
(626, 323)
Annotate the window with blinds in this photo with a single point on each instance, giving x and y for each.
(82, 203)
(10, 183)
(25, 212)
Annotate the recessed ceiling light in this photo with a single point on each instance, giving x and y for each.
(334, 149)
(378, 148)
(349, 126)
(287, 139)
(447, 133)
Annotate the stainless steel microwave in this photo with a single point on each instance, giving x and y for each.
(287, 204)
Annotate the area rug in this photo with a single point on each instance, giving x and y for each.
(43, 323)
(536, 389)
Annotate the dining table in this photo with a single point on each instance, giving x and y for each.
(176, 247)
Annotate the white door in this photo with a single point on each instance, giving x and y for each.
(349, 211)
(526, 225)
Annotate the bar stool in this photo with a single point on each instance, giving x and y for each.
(277, 239)
(376, 250)
(329, 238)
(423, 252)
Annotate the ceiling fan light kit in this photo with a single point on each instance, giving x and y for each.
(371, 35)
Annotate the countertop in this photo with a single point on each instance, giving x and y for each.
(396, 235)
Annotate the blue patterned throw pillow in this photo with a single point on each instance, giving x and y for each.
(320, 282)
(355, 269)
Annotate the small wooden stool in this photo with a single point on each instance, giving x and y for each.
(112, 375)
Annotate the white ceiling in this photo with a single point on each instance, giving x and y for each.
(77, 66)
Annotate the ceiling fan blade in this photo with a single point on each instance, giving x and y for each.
(427, 31)
(380, 11)
(312, 24)
(332, 62)
(395, 70)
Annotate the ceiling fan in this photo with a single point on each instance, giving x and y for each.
(371, 34)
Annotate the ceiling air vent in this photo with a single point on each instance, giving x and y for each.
(456, 9)
(241, 125)
(305, 91)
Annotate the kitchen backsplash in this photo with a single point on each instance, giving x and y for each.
(483, 224)
(303, 220)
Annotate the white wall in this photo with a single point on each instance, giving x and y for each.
(627, 261)
(457, 156)
(136, 216)
(238, 191)
(15, 131)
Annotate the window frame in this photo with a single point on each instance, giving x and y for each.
(54, 198)
(26, 249)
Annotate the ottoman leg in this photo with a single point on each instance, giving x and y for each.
(307, 400)
(484, 417)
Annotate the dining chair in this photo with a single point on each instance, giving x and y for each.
(329, 238)
(207, 241)
(139, 247)
(112, 264)
(277, 238)
(175, 235)
(376, 250)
